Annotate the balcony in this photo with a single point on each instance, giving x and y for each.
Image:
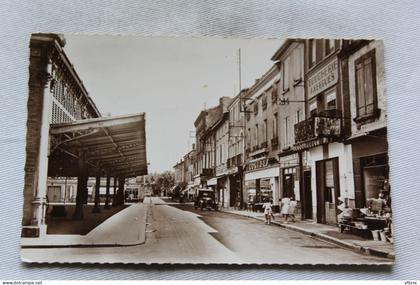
(275, 142)
(235, 161)
(318, 127)
(207, 172)
(259, 149)
(264, 145)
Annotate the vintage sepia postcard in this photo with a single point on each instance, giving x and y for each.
(206, 151)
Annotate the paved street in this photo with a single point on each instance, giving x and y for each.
(177, 233)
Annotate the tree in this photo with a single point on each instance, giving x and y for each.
(160, 182)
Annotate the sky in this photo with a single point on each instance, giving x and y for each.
(170, 79)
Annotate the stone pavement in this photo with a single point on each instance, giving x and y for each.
(125, 228)
(327, 233)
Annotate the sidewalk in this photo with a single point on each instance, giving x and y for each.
(327, 233)
(125, 228)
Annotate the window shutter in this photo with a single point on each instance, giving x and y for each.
(360, 90)
(368, 84)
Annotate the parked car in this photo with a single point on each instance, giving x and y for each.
(205, 199)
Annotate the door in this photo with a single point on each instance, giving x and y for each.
(320, 184)
(308, 195)
(328, 190)
(288, 185)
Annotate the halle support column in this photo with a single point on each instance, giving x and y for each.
(96, 208)
(108, 182)
(81, 189)
(120, 192)
(114, 196)
(37, 141)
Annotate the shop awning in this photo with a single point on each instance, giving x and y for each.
(263, 173)
(212, 181)
(114, 146)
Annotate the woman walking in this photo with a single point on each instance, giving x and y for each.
(292, 209)
(268, 212)
(285, 206)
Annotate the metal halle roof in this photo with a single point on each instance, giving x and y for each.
(114, 146)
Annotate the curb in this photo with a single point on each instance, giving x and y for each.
(354, 247)
(92, 245)
(82, 245)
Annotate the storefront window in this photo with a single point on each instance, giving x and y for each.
(374, 180)
(266, 193)
(251, 190)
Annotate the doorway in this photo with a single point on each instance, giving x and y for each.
(288, 185)
(307, 195)
(328, 190)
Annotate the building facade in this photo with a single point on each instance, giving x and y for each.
(236, 149)
(321, 134)
(220, 132)
(261, 173)
(363, 64)
(291, 111)
(205, 152)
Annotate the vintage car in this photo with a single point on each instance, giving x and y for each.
(205, 199)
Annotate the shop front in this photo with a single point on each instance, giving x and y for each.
(261, 184)
(235, 189)
(289, 179)
(371, 169)
(223, 195)
(332, 183)
(328, 190)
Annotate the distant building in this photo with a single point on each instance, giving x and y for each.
(205, 154)
(236, 149)
(220, 133)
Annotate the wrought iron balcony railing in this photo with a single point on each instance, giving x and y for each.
(274, 142)
(264, 145)
(318, 127)
(208, 172)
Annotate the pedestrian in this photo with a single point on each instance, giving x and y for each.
(285, 205)
(268, 212)
(292, 209)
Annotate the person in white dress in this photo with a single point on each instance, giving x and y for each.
(292, 209)
(285, 206)
(268, 212)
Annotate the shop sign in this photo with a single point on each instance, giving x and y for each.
(310, 144)
(324, 78)
(258, 164)
(290, 159)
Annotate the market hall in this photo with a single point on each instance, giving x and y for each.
(68, 137)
